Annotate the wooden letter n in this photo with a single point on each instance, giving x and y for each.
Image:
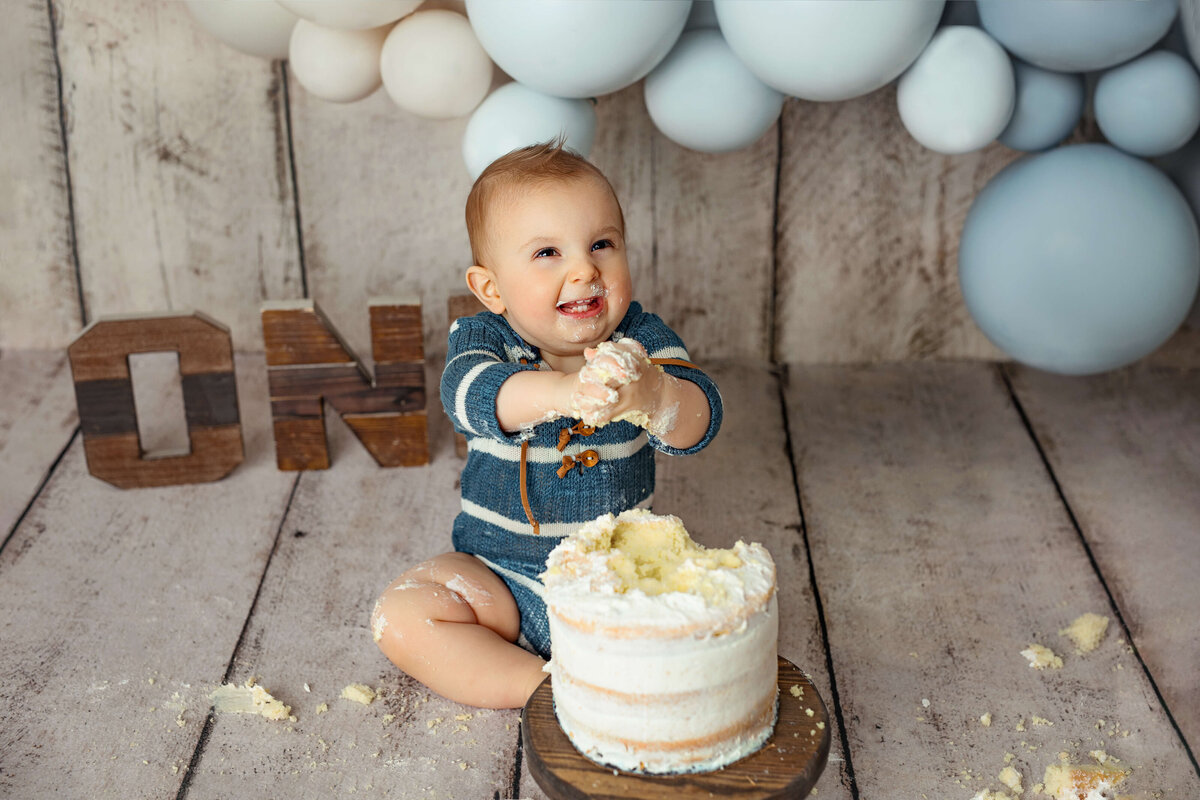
(308, 363)
(108, 416)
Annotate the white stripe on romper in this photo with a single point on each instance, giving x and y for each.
(514, 526)
(552, 455)
(460, 396)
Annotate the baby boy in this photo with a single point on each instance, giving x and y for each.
(564, 388)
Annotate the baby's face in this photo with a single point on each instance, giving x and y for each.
(557, 252)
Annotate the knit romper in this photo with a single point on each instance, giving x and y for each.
(522, 492)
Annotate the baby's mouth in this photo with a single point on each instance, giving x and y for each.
(583, 308)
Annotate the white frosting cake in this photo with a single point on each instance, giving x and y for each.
(663, 652)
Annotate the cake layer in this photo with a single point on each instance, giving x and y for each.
(664, 665)
(625, 576)
(664, 652)
(686, 753)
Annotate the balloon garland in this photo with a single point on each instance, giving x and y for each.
(1076, 259)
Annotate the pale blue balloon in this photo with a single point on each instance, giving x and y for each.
(828, 49)
(702, 97)
(1077, 35)
(1048, 108)
(1149, 106)
(577, 48)
(516, 116)
(1079, 260)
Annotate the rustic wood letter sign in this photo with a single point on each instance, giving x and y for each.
(307, 362)
(108, 416)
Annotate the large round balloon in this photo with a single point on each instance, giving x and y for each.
(516, 116)
(827, 49)
(1048, 108)
(433, 66)
(703, 97)
(351, 14)
(1149, 106)
(958, 95)
(1079, 260)
(248, 26)
(1189, 28)
(581, 48)
(1077, 35)
(336, 65)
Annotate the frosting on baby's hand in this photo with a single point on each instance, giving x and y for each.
(610, 366)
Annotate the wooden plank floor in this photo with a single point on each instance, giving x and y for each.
(929, 522)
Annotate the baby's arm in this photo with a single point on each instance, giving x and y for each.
(529, 398)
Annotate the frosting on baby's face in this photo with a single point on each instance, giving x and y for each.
(557, 262)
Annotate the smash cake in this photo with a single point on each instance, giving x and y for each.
(663, 652)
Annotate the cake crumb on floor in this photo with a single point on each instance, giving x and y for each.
(359, 693)
(249, 699)
(1041, 657)
(1086, 632)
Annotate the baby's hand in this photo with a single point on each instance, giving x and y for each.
(619, 382)
(610, 366)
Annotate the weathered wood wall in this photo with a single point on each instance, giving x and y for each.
(146, 166)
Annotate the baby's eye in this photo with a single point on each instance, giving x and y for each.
(602, 244)
(545, 252)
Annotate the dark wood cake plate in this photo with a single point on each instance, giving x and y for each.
(787, 766)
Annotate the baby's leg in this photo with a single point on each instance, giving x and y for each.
(451, 623)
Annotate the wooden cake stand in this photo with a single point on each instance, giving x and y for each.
(788, 765)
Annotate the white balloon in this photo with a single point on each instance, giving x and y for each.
(828, 49)
(580, 48)
(959, 95)
(351, 14)
(253, 27)
(336, 65)
(517, 116)
(433, 66)
(701, 96)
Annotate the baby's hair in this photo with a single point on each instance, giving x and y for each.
(526, 166)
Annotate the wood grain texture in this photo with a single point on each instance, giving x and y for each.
(37, 419)
(298, 332)
(178, 158)
(787, 766)
(118, 617)
(868, 230)
(118, 458)
(740, 487)
(101, 351)
(39, 291)
(714, 235)
(349, 533)
(381, 217)
(309, 364)
(941, 551)
(1125, 448)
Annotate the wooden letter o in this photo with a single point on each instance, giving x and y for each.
(108, 416)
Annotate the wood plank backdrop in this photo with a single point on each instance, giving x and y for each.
(149, 167)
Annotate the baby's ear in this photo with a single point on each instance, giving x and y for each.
(482, 283)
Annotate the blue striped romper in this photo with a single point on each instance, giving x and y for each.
(522, 492)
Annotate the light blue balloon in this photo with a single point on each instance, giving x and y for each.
(1048, 108)
(1079, 260)
(827, 50)
(516, 116)
(1149, 106)
(577, 48)
(1077, 35)
(701, 96)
